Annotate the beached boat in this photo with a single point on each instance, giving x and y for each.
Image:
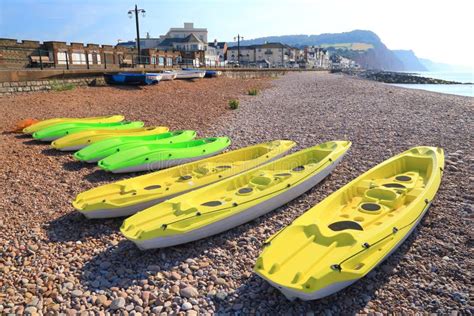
(125, 78)
(80, 140)
(60, 130)
(104, 148)
(133, 195)
(154, 76)
(190, 74)
(168, 75)
(158, 156)
(212, 73)
(344, 237)
(234, 201)
(50, 122)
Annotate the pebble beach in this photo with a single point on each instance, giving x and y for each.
(53, 260)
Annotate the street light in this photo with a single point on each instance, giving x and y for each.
(130, 15)
(238, 38)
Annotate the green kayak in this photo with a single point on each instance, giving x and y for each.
(107, 147)
(156, 156)
(59, 130)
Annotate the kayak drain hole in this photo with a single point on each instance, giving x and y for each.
(394, 185)
(245, 190)
(371, 207)
(212, 203)
(403, 178)
(299, 168)
(153, 187)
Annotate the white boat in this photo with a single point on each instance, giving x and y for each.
(190, 74)
(168, 75)
(154, 76)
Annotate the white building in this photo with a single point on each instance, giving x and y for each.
(264, 55)
(316, 57)
(188, 29)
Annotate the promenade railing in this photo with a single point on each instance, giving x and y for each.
(14, 58)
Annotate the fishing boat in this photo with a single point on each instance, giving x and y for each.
(212, 73)
(126, 78)
(190, 74)
(168, 75)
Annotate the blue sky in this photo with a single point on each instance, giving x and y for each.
(439, 30)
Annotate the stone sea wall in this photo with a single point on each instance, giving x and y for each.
(44, 84)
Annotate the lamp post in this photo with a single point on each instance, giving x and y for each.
(130, 15)
(238, 38)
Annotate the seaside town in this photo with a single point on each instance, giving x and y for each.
(187, 45)
(189, 174)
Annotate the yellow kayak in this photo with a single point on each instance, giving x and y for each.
(234, 201)
(349, 233)
(129, 196)
(80, 140)
(47, 123)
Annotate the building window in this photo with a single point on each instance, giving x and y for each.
(161, 61)
(78, 58)
(169, 61)
(61, 58)
(153, 60)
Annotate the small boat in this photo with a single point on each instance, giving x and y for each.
(212, 73)
(60, 130)
(158, 156)
(190, 74)
(168, 75)
(126, 78)
(50, 122)
(80, 140)
(344, 237)
(231, 202)
(104, 148)
(154, 76)
(133, 195)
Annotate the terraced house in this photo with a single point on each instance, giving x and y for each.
(266, 55)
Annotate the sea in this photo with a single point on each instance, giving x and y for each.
(457, 89)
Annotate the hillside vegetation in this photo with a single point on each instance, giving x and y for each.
(349, 46)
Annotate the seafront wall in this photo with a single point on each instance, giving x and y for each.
(26, 81)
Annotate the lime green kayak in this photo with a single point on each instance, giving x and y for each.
(159, 156)
(107, 147)
(59, 130)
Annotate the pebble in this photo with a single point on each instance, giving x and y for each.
(186, 306)
(76, 293)
(189, 292)
(117, 303)
(52, 253)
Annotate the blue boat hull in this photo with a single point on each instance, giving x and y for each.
(129, 79)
